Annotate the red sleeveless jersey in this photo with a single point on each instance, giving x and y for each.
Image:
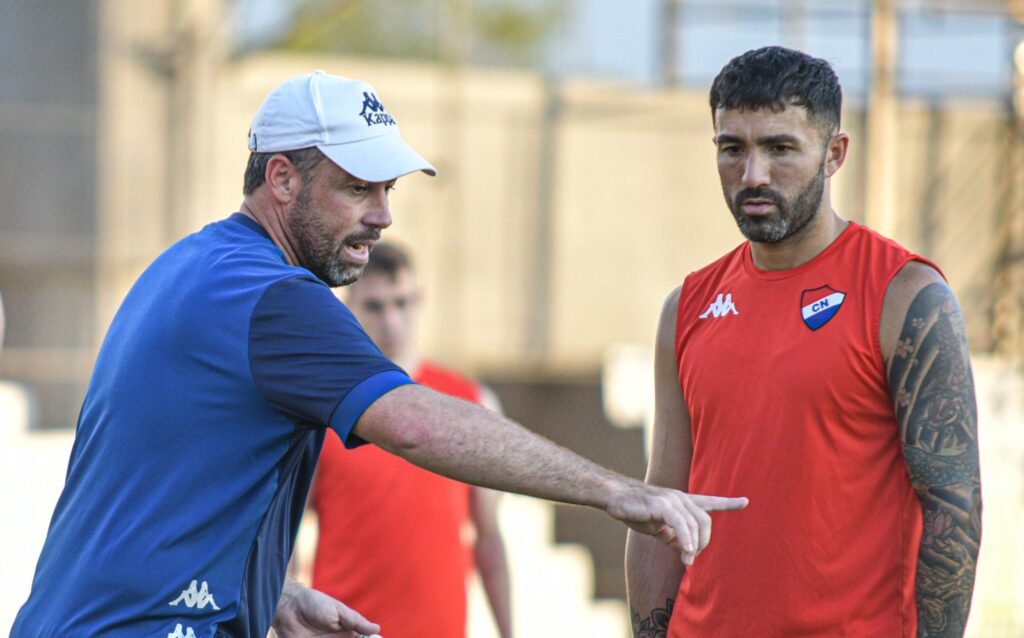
(783, 377)
(390, 543)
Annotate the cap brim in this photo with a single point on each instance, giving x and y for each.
(377, 159)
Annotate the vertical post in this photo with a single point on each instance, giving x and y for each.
(881, 119)
(453, 30)
(1008, 303)
(794, 23)
(668, 42)
(196, 48)
(539, 312)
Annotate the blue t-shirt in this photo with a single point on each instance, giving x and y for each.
(197, 441)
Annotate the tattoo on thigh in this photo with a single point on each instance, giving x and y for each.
(656, 624)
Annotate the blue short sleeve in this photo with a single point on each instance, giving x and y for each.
(311, 359)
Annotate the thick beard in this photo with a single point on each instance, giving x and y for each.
(313, 244)
(788, 221)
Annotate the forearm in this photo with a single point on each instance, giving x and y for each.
(491, 563)
(474, 445)
(947, 560)
(652, 580)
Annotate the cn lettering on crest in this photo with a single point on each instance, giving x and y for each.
(374, 112)
(819, 305)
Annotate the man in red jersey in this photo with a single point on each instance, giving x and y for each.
(391, 534)
(823, 371)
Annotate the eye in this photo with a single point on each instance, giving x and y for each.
(730, 149)
(373, 306)
(358, 189)
(781, 149)
(390, 188)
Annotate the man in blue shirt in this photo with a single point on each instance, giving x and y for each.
(218, 377)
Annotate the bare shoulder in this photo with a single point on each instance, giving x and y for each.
(904, 288)
(671, 305)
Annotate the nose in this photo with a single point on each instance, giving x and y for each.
(379, 213)
(755, 171)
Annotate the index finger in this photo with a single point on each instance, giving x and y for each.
(719, 503)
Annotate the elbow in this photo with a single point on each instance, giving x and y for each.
(406, 437)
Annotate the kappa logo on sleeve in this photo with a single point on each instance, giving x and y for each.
(819, 305)
(374, 112)
(196, 597)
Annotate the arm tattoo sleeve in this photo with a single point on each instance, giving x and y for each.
(655, 625)
(933, 393)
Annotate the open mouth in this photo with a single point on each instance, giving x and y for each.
(358, 251)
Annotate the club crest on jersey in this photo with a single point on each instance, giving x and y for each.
(819, 305)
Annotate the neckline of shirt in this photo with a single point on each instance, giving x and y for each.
(775, 275)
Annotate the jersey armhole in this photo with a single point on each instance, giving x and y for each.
(876, 320)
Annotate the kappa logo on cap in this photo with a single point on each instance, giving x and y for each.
(819, 305)
(374, 112)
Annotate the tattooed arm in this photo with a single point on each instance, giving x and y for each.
(653, 571)
(930, 382)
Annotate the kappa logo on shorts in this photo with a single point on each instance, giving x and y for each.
(177, 632)
(374, 112)
(720, 307)
(819, 305)
(196, 597)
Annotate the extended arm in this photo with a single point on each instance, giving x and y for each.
(652, 576)
(474, 445)
(932, 390)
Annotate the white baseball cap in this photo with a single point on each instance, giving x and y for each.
(341, 117)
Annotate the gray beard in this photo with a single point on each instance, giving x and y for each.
(313, 245)
(789, 220)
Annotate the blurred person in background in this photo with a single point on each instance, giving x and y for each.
(223, 368)
(391, 534)
(822, 370)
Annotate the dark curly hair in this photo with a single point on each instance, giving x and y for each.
(776, 77)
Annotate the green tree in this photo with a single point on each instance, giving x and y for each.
(493, 31)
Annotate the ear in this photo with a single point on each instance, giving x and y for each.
(835, 153)
(282, 179)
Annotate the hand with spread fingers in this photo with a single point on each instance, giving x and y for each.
(675, 518)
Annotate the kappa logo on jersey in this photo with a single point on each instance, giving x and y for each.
(819, 305)
(196, 597)
(720, 307)
(177, 632)
(374, 112)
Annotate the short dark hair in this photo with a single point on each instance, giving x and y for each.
(387, 259)
(305, 161)
(775, 77)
